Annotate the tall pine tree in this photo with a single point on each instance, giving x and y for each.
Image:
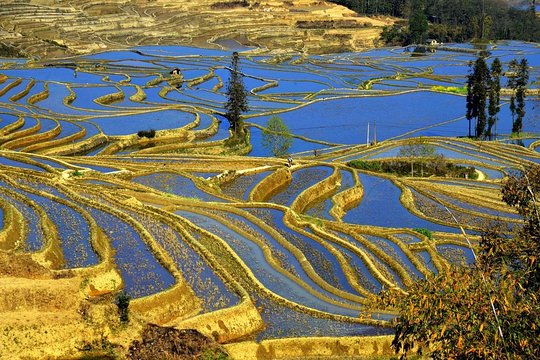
(518, 79)
(236, 97)
(478, 83)
(494, 97)
(512, 75)
(521, 86)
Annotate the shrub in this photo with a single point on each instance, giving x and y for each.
(223, 5)
(122, 301)
(434, 166)
(424, 232)
(365, 165)
(450, 89)
(490, 310)
(147, 133)
(10, 51)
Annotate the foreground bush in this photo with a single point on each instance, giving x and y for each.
(488, 311)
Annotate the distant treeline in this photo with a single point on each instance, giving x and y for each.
(456, 20)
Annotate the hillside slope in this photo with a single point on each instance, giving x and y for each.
(52, 28)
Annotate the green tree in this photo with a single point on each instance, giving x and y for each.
(494, 96)
(236, 97)
(512, 75)
(418, 23)
(478, 83)
(419, 149)
(277, 137)
(462, 20)
(518, 78)
(489, 310)
(522, 79)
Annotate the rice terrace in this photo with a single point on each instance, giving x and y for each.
(354, 172)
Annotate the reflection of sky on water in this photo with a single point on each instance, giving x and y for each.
(299, 81)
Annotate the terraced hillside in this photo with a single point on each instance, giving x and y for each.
(55, 28)
(232, 241)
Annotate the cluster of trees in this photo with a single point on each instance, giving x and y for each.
(483, 83)
(518, 77)
(397, 8)
(483, 93)
(424, 156)
(436, 166)
(452, 20)
(486, 311)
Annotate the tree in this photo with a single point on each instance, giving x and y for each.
(417, 149)
(277, 137)
(489, 310)
(522, 79)
(512, 72)
(494, 96)
(478, 82)
(236, 97)
(418, 23)
(518, 78)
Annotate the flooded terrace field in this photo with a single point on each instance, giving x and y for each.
(179, 216)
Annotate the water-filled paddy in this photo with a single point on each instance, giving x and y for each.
(301, 180)
(270, 277)
(328, 100)
(211, 289)
(34, 239)
(144, 277)
(285, 322)
(175, 184)
(380, 206)
(340, 121)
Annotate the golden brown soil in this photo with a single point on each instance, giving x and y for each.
(46, 314)
(55, 28)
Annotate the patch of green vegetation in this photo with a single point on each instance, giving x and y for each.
(77, 173)
(424, 232)
(366, 165)
(211, 354)
(423, 167)
(450, 89)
